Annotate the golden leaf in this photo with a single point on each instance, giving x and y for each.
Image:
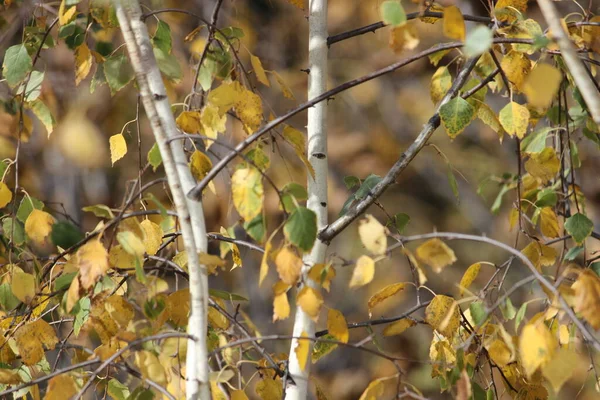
(541, 85)
(73, 294)
(153, 234)
(238, 395)
(373, 235)
(189, 122)
(469, 276)
(489, 117)
(5, 195)
(38, 226)
(549, 223)
(516, 66)
(539, 254)
(177, 307)
(200, 164)
(436, 254)
(110, 316)
(212, 122)
(288, 265)
(302, 351)
(150, 367)
(310, 300)
(83, 63)
(560, 369)
(10, 377)
(281, 307)
(398, 327)
(385, 293)
(297, 3)
(66, 15)
(443, 315)
(285, 90)
(374, 391)
(259, 70)
(441, 82)
(322, 274)
(247, 192)
(81, 141)
(61, 387)
(118, 147)
(363, 273)
(215, 318)
(23, 286)
(499, 353)
(32, 338)
(587, 297)
(454, 23)
(514, 118)
(536, 346)
(403, 38)
(337, 326)
(92, 261)
(264, 263)
(543, 165)
(520, 5)
(298, 142)
(269, 389)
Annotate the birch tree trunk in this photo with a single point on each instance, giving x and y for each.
(317, 188)
(190, 212)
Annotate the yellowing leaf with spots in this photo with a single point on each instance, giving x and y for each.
(118, 147)
(443, 315)
(83, 63)
(153, 234)
(543, 165)
(489, 117)
(302, 351)
(259, 71)
(247, 191)
(441, 82)
(213, 122)
(536, 346)
(337, 326)
(456, 115)
(436, 254)
(363, 273)
(384, 294)
(587, 297)
(38, 226)
(549, 223)
(514, 119)
(288, 265)
(541, 85)
(23, 286)
(310, 300)
(32, 338)
(539, 254)
(5, 195)
(469, 276)
(454, 23)
(516, 66)
(61, 387)
(298, 142)
(189, 122)
(396, 328)
(373, 235)
(92, 260)
(269, 389)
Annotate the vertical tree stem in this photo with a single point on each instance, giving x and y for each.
(190, 213)
(317, 188)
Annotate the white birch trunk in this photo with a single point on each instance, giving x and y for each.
(317, 188)
(190, 213)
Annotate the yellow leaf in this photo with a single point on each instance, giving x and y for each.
(110, 316)
(520, 5)
(216, 392)
(200, 164)
(549, 223)
(248, 105)
(61, 387)
(150, 367)
(269, 389)
(120, 258)
(436, 254)
(469, 276)
(403, 38)
(238, 395)
(563, 334)
(153, 234)
(5, 195)
(302, 351)
(412, 260)
(560, 369)
(81, 141)
(374, 391)
(215, 318)
(10, 377)
(373, 235)
(541, 85)
(514, 119)
(264, 263)
(32, 338)
(259, 70)
(73, 294)
(499, 353)
(543, 165)
(363, 272)
(516, 66)
(587, 297)
(443, 315)
(212, 122)
(83, 63)
(337, 326)
(310, 300)
(189, 122)
(66, 15)
(92, 261)
(285, 90)
(297, 3)
(398, 327)
(454, 23)
(178, 307)
(384, 293)
(211, 262)
(536, 347)
(489, 117)
(288, 265)
(539, 254)
(118, 147)
(23, 286)
(298, 142)
(322, 274)
(38, 226)
(281, 307)
(247, 192)
(441, 82)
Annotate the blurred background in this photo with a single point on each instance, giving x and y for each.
(368, 126)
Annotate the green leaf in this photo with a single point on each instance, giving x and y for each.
(73, 34)
(153, 307)
(256, 228)
(81, 317)
(478, 41)
(118, 72)
(456, 115)
(34, 86)
(154, 157)
(100, 211)
(8, 301)
(368, 184)
(508, 309)
(221, 294)
(452, 182)
(579, 227)
(42, 112)
(596, 268)
(546, 198)
(17, 64)
(162, 37)
(498, 201)
(478, 312)
(392, 13)
(64, 281)
(536, 141)
(351, 181)
(117, 390)
(64, 234)
(520, 315)
(168, 65)
(18, 232)
(574, 154)
(292, 194)
(301, 228)
(573, 253)
(401, 220)
(28, 204)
